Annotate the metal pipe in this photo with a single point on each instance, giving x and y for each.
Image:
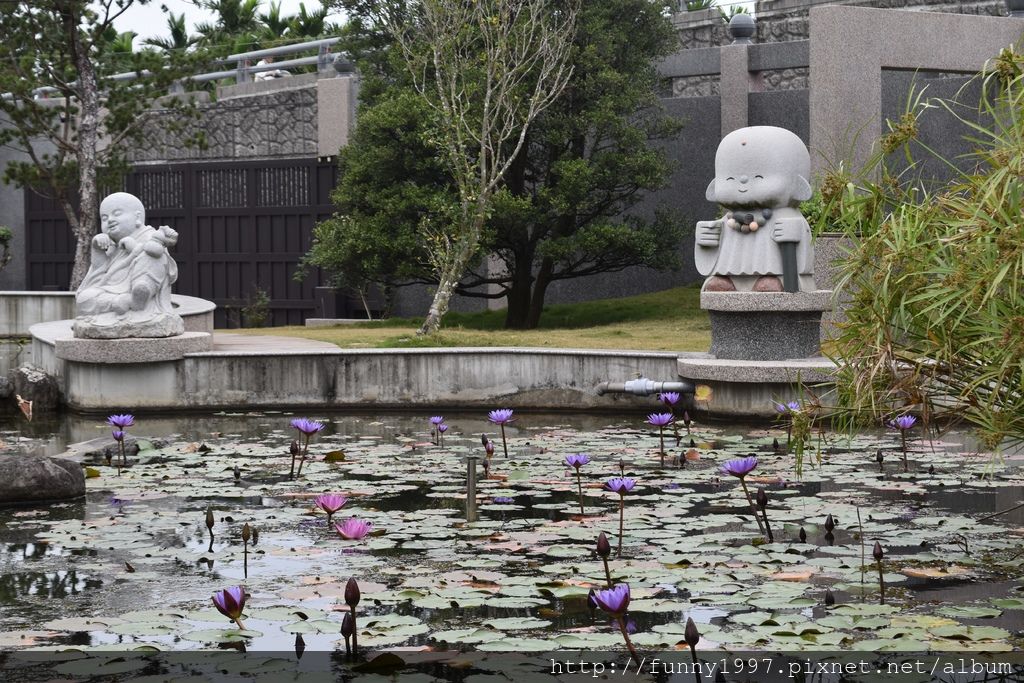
(471, 513)
(642, 386)
(283, 49)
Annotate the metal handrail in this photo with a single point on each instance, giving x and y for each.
(243, 69)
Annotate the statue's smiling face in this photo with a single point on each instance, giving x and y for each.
(749, 179)
(118, 219)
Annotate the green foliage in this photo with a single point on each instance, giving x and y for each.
(587, 162)
(256, 312)
(70, 120)
(5, 246)
(936, 325)
(697, 5)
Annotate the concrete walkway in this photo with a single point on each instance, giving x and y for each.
(267, 345)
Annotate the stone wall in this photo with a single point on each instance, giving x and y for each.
(784, 20)
(281, 123)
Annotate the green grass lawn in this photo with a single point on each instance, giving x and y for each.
(670, 320)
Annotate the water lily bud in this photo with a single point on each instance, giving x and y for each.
(484, 440)
(686, 418)
(294, 448)
(352, 593)
(348, 626)
(300, 646)
(931, 469)
(877, 552)
(604, 548)
(238, 473)
(693, 444)
(762, 498)
(775, 445)
(879, 457)
(255, 536)
(691, 634)
(803, 535)
(829, 598)
(209, 518)
(830, 524)
(246, 533)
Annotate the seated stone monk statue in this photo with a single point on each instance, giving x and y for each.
(127, 291)
(763, 242)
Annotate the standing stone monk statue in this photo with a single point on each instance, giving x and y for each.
(127, 291)
(763, 242)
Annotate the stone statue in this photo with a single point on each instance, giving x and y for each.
(763, 242)
(127, 291)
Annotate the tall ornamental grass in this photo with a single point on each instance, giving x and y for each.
(936, 321)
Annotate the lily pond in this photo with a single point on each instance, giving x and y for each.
(133, 566)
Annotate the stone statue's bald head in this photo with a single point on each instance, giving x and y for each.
(121, 214)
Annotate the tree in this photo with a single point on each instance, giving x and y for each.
(179, 39)
(62, 110)
(487, 68)
(562, 210)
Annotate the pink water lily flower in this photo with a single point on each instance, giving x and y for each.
(330, 503)
(353, 529)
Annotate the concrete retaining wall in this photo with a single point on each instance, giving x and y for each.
(21, 310)
(378, 378)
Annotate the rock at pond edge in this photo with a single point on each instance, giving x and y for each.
(39, 479)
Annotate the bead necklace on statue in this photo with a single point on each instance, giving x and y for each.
(748, 221)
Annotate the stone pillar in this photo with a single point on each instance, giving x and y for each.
(336, 100)
(736, 82)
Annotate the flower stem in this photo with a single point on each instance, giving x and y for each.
(504, 443)
(625, 636)
(579, 485)
(696, 666)
(607, 572)
(239, 624)
(661, 437)
(302, 458)
(903, 440)
(622, 515)
(881, 584)
(753, 508)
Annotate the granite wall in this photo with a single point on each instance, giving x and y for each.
(267, 125)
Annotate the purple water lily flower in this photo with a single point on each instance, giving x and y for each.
(659, 419)
(577, 460)
(118, 435)
(230, 602)
(783, 408)
(740, 467)
(669, 398)
(615, 600)
(620, 485)
(436, 420)
(121, 421)
(502, 416)
(503, 500)
(442, 428)
(903, 422)
(353, 529)
(307, 426)
(489, 448)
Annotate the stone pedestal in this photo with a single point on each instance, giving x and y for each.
(765, 347)
(765, 326)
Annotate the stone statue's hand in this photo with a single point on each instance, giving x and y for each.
(128, 244)
(709, 233)
(102, 242)
(154, 248)
(788, 230)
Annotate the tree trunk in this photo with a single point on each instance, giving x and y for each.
(518, 297)
(439, 306)
(540, 288)
(88, 137)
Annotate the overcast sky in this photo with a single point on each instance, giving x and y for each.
(149, 20)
